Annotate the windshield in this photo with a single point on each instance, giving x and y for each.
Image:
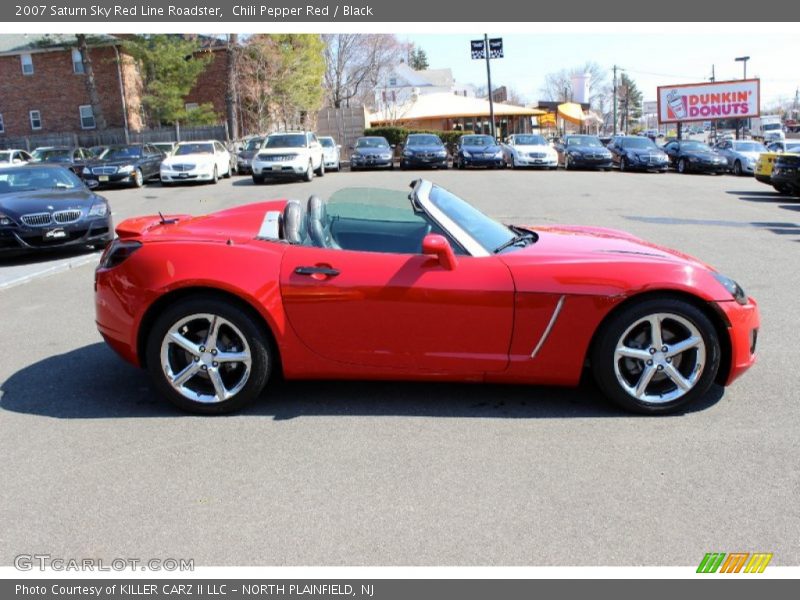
(530, 140)
(254, 144)
(184, 149)
(326, 142)
(771, 126)
(792, 147)
(53, 155)
(638, 142)
(123, 153)
(477, 140)
(5, 156)
(693, 145)
(748, 147)
(423, 140)
(488, 233)
(584, 140)
(372, 142)
(28, 179)
(286, 140)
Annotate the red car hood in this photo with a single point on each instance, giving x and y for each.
(596, 260)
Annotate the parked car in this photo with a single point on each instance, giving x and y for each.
(294, 155)
(784, 146)
(131, 165)
(766, 163)
(631, 153)
(583, 151)
(786, 174)
(423, 150)
(196, 161)
(741, 155)
(73, 158)
(377, 284)
(244, 157)
(478, 151)
(372, 152)
(689, 156)
(529, 150)
(98, 151)
(331, 153)
(13, 157)
(47, 206)
(168, 148)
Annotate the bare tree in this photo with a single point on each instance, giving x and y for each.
(558, 85)
(231, 101)
(355, 63)
(91, 85)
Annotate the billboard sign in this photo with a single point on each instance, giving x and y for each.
(708, 101)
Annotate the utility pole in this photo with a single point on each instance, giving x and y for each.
(615, 99)
(489, 81)
(713, 121)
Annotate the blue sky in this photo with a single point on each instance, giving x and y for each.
(651, 59)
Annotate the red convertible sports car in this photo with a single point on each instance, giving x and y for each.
(380, 284)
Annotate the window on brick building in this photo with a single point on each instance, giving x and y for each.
(77, 61)
(36, 119)
(27, 64)
(87, 116)
(2, 124)
(191, 106)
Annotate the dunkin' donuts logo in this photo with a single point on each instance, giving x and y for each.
(710, 101)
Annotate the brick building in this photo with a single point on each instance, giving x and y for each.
(43, 88)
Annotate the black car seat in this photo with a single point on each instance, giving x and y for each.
(293, 223)
(319, 225)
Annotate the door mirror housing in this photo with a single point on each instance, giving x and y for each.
(92, 184)
(437, 245)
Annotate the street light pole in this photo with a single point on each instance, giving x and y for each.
(489, 82)
(743, 60)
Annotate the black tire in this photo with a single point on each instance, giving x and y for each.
(614, 329)
(309, 174)
(782, 189)
(403, 165)
(737, 168)
(566, 162)
(166, 184)
(683, 166)
(138, 178)
(338, 167)
(215, 177)
(321, 171)
(258, 179)
(353, 169)
(623, 164)
(262, 355)
(229, 172)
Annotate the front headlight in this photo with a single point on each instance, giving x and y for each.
(408, 153)
(574, 153)
(386, 156)
(5, 220)
(466, 154)
(99, 209)
(125, 169)
(733, 288)
(441, 153)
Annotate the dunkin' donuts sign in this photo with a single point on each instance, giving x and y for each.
(708, 101)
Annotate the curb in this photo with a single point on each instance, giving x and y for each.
(70, 264)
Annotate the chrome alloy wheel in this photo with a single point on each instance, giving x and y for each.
(660, 358)
(206, 358)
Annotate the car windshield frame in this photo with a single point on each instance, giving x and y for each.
(372, 142)
(286, 140)
(195, 148)
(589, 141)
(326, 142)
(477, 233)
(64, 179)
(253, 145)
(695, 145)
(424, 139)
(758, 147)
(123, 153)
(638, 143)
(478, 140)
(520, 140)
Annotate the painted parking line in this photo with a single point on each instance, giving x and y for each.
(18, 274)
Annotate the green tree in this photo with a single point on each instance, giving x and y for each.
(418, 59)
(170, 66)
(630, 102)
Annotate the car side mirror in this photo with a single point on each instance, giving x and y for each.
(92, 183)
(437, 245)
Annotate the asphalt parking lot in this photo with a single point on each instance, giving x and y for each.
(330, 473)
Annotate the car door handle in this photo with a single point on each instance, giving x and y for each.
(317, 271)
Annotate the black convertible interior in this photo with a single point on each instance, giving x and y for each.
(315, 225)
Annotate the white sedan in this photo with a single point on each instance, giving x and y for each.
(12, 158)
(529, 150)
(196, 161)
